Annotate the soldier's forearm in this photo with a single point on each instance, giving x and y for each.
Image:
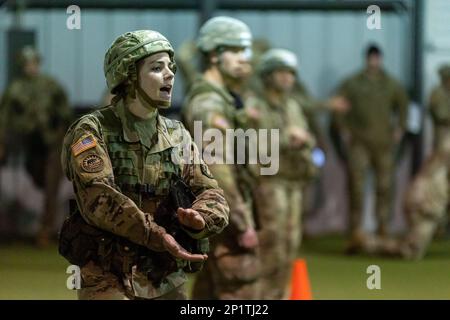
(108, 209)
(214, 209)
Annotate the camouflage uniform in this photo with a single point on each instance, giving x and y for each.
(425, 206)
(426, 201)
(35, 113)
(122, 167)
(231, 271)
(369, 123)
(439, 107)
(279, 196)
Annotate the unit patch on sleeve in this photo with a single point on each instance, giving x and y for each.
(92, 163)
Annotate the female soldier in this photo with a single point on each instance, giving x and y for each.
(124, 161)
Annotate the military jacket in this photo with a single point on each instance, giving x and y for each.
(215, 108)
(121, 167)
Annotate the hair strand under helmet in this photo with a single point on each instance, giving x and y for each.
(121, 58)
(223, 31)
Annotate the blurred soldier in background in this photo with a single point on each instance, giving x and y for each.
(121, 160)
(279, 196)
(370, 130)
(426, 205)
(439, 108)
(233, 265)
(311, 107)
(427, 199)
(187, 63)
(35, 114)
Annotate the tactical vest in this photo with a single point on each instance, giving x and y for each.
(81, 242)
(245, 180)
(128, 161)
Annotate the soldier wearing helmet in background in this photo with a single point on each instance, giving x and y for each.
(34, 116)
(280, 195)
(233, 266)
(124, 161)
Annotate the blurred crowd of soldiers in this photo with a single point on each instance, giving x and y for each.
(233, 81)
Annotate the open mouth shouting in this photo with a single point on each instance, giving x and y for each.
(165, 92)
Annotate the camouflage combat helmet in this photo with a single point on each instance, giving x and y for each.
(223, 31)
(277, 58)
(126, 50)
(444, 71)
(28, 53)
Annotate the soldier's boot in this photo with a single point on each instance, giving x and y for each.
(357, 242)
(382, 230)
(49, 216)
(416, 243)
(383, 246)
(45, 233)
(442, 229)
(43, 238)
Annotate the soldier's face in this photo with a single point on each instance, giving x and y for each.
(156, 77)
(374, 61)
(234, 62)
(31, 67)
(283, 80)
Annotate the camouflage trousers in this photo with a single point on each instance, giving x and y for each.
(52, 171)
(441, 138)
(230, 273)
(278, 206)
(98, 284)
(43, 164)
(426, 205)
(362, 157)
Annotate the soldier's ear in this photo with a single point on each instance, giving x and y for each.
(214, 58)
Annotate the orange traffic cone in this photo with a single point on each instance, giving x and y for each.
(300, 287)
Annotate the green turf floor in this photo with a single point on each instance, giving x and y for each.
(29, 273)
(336, 276)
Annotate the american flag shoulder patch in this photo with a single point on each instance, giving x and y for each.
(85, 143)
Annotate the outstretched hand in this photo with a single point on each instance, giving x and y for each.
(339, 104)
(176, 250)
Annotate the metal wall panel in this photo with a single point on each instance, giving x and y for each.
(329, 44)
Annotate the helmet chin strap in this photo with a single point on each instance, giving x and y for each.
(226, 76)
(150, 103)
